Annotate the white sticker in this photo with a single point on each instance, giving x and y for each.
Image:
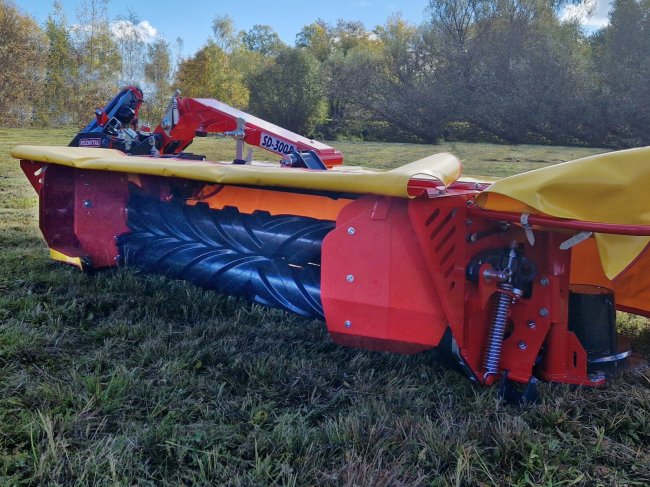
(90, 143)
(276, 145)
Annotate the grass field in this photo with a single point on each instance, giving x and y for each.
(117, 379)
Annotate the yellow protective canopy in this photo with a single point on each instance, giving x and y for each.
(443, 169)
(609, 188)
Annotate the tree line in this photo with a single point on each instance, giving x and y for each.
(510, 71)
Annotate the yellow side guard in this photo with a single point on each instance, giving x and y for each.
(61, 257)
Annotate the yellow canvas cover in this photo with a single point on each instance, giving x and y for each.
(443, 169)
(609, 188)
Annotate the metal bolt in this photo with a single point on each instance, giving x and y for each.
(531, 324)
(350, 278)
(351, 230)
(348, 323)
(544, 281)
(88, 204)
(468, 222)
(543, 312)
(522, 345)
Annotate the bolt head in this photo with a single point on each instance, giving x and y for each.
(348, 323)
(350, 278)
(88, 204)
(522, 345)
(351, 231)
(543, 312)
(544, 281)
(531, 324)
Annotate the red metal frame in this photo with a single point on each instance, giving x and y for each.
(382, 292)
(212, 116)
(555, 222)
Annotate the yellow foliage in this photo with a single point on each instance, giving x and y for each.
(210, 73)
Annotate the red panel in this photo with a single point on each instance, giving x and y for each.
(56, 210)
(100, 213)
(440, 228)
(376, 289)
(34, 172)
(81, 213)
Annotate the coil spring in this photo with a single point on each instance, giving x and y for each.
(500, 320)
(497, 330)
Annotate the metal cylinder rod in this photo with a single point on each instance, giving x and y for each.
(555, 222)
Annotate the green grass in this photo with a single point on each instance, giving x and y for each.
(118, 379)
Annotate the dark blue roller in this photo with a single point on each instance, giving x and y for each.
(272, 260)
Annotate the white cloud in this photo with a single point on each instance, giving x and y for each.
(593, 14)
(142, 31)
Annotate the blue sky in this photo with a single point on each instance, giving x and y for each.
(191, 20)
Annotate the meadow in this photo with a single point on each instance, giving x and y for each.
(116, 378)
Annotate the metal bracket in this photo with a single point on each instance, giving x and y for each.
(530, 236)
(512, 395)
(575, 240)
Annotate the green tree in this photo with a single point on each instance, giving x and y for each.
(209, 73)
(157, 74)
(23, 48)
(513, 69)
(96, 44)
(389, 87)
(290, 92)
(223, 28)
(262, 39)
(317, 39)
(622, 58)
(349, 34)
(99, 58)
(132, 47)
(61, 71)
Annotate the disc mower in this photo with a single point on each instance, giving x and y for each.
(511, 280)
